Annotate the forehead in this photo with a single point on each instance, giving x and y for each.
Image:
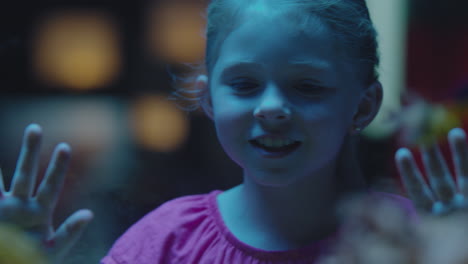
(273, 40)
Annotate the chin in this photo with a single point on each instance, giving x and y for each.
(274, 178)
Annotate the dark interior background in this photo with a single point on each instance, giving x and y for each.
(121, 179)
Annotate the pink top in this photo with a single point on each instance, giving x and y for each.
(190, 229)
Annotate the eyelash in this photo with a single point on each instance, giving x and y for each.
(312, 88)
(242, 89)
(246, 88)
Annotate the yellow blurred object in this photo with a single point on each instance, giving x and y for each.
(440, 120)
(16, 247)
(175, 31)
(158, 124)
(77, 49)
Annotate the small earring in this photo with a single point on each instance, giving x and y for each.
(356, 130)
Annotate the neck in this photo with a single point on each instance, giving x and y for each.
(294, 215)
(298, 212)
(286, 217)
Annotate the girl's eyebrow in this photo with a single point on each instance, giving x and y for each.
(318, 66)
(241, 66)
(302, 65)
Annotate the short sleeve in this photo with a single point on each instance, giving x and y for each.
(164, 234)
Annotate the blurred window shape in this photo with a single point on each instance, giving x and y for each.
(391, 21)
(91, 124)
(77, 49)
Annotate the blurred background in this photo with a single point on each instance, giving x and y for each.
(98, 74)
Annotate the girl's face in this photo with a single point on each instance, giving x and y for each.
(282, 101)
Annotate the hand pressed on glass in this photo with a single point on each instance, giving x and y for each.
(33, 214)
(442, 194)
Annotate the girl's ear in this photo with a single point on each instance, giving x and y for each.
(201, 85)
(369, 105)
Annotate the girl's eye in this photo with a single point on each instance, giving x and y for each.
(243, 86)
(310, 89)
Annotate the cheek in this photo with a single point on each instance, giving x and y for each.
(333, 114)
(328, 134)
(341, 112)
(230, 113)
(231, 133)
(232, 122)
(328, 126)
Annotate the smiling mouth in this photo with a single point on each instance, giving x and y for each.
(285, 147)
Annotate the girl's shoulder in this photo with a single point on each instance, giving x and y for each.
(171, 225)
(185, 206)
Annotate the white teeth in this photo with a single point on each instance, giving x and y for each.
(275, 143)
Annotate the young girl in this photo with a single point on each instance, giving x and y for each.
(289, 84)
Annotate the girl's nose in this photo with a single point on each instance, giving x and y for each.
(272, 107)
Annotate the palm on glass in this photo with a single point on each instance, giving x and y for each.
(33, 214)
(441, 194)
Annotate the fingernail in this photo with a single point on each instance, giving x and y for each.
(402, 153)
(457, 132)
(439, 208)
(34, 127)
(87, 214)
(64, 147)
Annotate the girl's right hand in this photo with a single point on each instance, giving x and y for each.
(33, 213)
(443, 193)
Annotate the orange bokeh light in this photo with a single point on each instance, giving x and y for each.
(175, 31)
(158, 124)
(77, 50)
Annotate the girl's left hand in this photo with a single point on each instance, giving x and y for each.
(443, 193)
